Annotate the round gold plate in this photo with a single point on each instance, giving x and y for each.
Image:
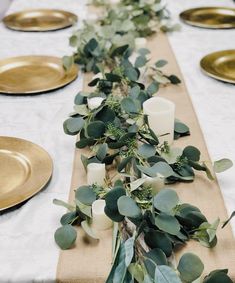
(220, 65)
(40, 20)
(34, 74)
(210, 17)
(25, 169)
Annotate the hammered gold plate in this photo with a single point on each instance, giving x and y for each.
(210, 17)
(220, 65)
(34, 74)
(25, 169)
(40, 20)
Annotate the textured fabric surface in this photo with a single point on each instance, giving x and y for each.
(214, 101)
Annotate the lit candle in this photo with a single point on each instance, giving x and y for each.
(156, 183)
(140, 42)
(94, 102)
(96, 174)
(161, 116)
(100, 221)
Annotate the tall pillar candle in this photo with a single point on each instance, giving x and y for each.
(100, 221)
(96, 174)
(161, 116)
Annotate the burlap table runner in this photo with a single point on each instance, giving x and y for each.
(91, 262)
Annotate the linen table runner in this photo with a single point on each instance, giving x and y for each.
(91, 262)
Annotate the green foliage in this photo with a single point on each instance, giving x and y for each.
(218, 276)
(190, 267)
(118, 133)
(222, 165)
(65, 237)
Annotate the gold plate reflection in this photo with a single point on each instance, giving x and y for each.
(220, 65)
(25, 169)
(210, 17)
(40, 20)
(34, 74)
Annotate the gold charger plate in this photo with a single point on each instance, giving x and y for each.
(40, 20)
(25, 169)
(34, 74)
(220, 65)
(210, 17)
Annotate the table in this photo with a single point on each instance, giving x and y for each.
(26, 233)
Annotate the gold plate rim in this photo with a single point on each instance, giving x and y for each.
(69, 76)
(26, 191)
(9, 21)
(210, 71)
(185, 14)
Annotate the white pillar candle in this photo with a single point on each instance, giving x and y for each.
(96, 174)
(140, 42)
(100, 220)
(156, 183)
(161, 116)
(94, 102)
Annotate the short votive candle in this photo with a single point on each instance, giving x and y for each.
(96, 174)
(100, 220)
(161, 116)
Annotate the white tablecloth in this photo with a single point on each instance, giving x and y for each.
(27, 249)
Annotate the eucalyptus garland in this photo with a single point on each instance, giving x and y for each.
(99, 40)
(149, 222)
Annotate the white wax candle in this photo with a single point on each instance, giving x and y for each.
(133, 57)
(114, 1)
(100, 220)
(140, 42)
(96, 174)
(157, 183)
(94, 102)
(161, 116)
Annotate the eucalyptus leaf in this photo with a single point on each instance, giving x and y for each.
(166, 200)
(181, 128)
(68, 218)
(112, 197)
(165, 274)
(85, 209)
(167, 223)
(88, 229)
(85, 195)
(96, 129)
(157, 239)
(211, 230)
(64, 204)
(137, 272)
(161, 63)
(102, 151)
(73, 126)
(218, 276)
(190, 267)
(192, 153)
(67, 62)
(129, 250)
(128, 207)
(147, 150)
(65, 237)
(163, 169)
(222, 165)
(129, 105)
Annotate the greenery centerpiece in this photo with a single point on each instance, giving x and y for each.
(150, 222)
